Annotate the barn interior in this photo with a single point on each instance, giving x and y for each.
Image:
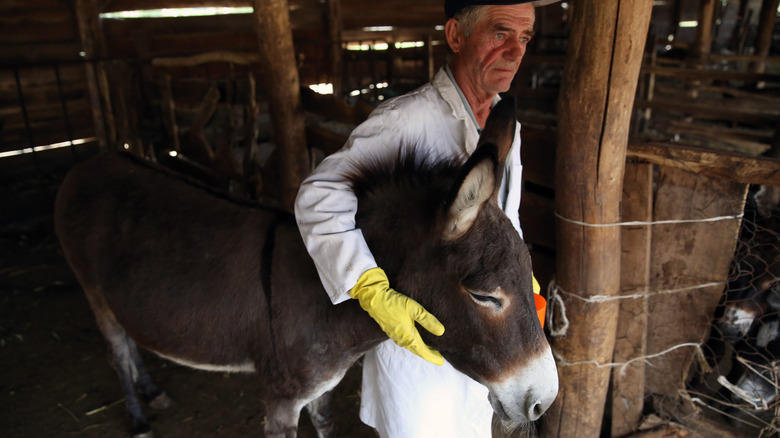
(200, 86)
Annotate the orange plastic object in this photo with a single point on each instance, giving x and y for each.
(541, 307)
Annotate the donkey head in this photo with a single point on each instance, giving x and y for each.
(446, 243)
(493, 333)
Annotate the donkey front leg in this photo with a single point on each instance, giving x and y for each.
(281, 418)
(321, 414)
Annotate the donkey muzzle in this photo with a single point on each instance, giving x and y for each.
(528, 393)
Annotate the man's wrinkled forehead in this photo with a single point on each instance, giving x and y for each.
(452, 7)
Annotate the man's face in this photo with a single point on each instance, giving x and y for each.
(492, 54)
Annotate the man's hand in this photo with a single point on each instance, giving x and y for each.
(396, 314)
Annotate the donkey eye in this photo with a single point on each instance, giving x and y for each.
(485, 300)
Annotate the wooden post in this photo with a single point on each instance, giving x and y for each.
(703, 42)
(336, 51)
(766, 23)
(372, 59)
(282, 85)
(169, 111)
(594, 111)
(675, 14)
(735, 41)
(628, 384)
(251, 180)
(647, 113)
(702, 45)
(428, 57)
(125, 107)
(93, 47)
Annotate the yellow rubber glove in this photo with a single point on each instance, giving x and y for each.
(537, 288)
(396, 313)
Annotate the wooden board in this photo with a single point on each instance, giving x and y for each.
(687, 255)
(538, 156)
(537, 219)
(731, 167)
(628, 383)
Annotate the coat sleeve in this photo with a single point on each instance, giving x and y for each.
(326, 205)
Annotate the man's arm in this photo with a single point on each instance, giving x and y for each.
(325, 211)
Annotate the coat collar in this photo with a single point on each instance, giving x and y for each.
(449, 91)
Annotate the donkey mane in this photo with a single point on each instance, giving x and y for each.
(411, 169)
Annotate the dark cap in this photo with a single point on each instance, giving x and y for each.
(452, 7)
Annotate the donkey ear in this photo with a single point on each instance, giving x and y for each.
(475, 185)
(500, 128)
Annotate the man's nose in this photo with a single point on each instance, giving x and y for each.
(515, 51)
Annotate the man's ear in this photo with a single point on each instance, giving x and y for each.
(452, 31)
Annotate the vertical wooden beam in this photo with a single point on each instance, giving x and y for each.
(649, 89)
(277, 54)
(87, 15)
(703, 42)
(251, 180)
(101, 72)
(594, 111)
(393, 61)
(628, 384)
(336, 52)
(675, 15)
(766, 24)
(169, 111)
(372, 59)
(125, 107)
(429, 64)
(741, 22)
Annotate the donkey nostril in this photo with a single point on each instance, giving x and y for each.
(536, 411)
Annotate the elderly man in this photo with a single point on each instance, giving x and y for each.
(404, 395)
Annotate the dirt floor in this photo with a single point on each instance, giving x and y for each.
(55, 380)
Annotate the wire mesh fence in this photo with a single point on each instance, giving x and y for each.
(739, 381)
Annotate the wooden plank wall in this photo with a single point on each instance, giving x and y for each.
(41, 105)
(144, 39)
(44, 96)
(43, 90)
(693, 258)
(675, 274)
(38, 31)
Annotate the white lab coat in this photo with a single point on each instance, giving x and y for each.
(403, 396)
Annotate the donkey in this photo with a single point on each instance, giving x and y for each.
(220, 285)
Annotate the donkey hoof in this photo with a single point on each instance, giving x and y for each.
(162, 401)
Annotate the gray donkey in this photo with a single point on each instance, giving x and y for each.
(216, 284)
